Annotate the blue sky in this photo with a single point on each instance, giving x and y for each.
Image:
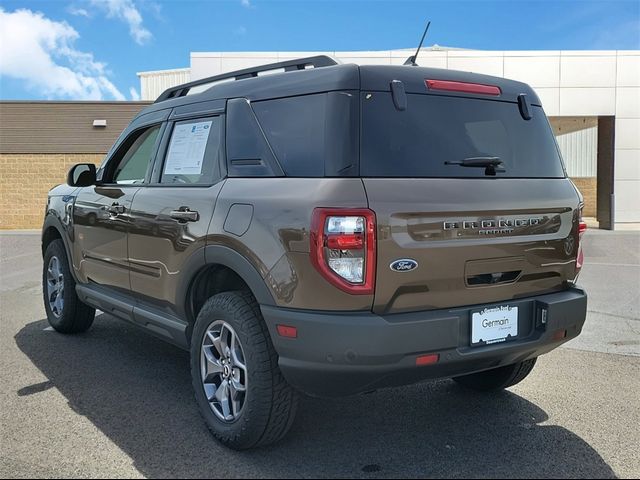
(92, 49)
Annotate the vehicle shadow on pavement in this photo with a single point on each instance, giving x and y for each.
(137, 391)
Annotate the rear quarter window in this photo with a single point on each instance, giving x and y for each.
(295, 130)
(313, 135)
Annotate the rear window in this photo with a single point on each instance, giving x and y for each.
(435, 129)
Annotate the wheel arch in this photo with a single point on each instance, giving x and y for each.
(53, 229)
(220, 269)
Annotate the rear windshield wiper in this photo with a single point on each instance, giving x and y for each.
(482, 162)
(490, 164)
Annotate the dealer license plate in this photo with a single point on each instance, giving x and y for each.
(494, 325)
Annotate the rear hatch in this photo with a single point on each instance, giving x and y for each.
(451, 234)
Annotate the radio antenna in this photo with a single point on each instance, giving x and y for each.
(412, 60)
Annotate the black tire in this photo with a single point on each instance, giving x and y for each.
(74, 316)
(497, 378)
(270, 404)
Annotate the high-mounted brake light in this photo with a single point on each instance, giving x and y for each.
(465, 87)
(343, 248)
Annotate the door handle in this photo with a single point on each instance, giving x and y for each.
(185, 214)
(115, 209)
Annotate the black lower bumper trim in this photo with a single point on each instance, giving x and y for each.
(339, 353)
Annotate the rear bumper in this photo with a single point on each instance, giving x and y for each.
(345, 353)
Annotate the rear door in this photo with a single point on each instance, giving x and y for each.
(170, 215)
(470, 235)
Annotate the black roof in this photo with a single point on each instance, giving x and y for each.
(332, 78)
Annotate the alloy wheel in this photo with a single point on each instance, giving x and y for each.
(223, 371)
(55, 286)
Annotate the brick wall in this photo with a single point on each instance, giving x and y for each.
(25, 180)
(588, 186)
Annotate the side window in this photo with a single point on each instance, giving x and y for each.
(132, 166)
(295, 128)
(193, 154)
(313, 135)
(248, 152)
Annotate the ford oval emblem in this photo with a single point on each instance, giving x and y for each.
(403, 265)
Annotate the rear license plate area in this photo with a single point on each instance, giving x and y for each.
(495, 324)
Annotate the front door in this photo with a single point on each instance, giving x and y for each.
(102, 213)
(170, 216)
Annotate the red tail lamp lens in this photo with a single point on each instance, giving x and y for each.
(343, 248)
(582, 227)
(346, 241)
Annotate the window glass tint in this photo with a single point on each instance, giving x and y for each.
(193, 154)
(132, 168)
(295, 129)
(434, 129)
(248, 152)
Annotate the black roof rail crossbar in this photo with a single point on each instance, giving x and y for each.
(288, 66)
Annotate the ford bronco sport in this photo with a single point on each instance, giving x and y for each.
(327, 229)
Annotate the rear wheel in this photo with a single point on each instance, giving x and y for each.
(65, 311)
(238, 385)
(497, 378)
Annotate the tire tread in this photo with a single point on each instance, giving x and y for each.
(77, 317)
(274, 402)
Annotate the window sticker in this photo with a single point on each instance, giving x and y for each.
(186, 151)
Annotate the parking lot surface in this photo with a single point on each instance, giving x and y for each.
(115, 402)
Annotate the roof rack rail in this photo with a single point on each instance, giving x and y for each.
(288, 66)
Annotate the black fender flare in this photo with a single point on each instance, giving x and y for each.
(52, 221)
(219, 254)
(222, 255)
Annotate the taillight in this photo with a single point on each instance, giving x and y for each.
(465, 87)
(343, 248)
(582, 227)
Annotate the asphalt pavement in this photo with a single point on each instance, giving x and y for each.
(115, 402)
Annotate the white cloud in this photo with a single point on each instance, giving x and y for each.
(245, 3)
(135, 96)
(240, 30)
(41, 52)
(126, 11)
(78, 12)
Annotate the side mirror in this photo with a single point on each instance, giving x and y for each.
(82, 175)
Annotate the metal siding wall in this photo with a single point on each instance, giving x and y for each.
(62, 127)
(580, 152)
(153, 84)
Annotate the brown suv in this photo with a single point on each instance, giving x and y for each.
(329, 229)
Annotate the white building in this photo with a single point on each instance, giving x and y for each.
(591, 97)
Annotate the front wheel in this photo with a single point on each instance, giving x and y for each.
(242, 395)
(497, 378)
(65, 311)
